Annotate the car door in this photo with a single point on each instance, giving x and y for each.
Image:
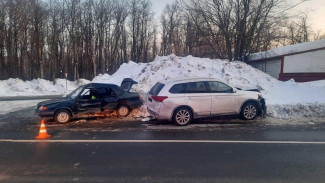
(89, 101)
(224, 99)
(198, 98)
(110, 98)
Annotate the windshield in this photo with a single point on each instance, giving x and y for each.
(75, 92)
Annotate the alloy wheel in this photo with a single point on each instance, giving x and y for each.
(63, 117)
(183, 117)
(250, 111)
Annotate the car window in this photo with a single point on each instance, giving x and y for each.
(178, 88)
(85, 92)
(156, 89)
(195, 87)
(75, 93)
(104, 92)
(219, 87)
(89, 93)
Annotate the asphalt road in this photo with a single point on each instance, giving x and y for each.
(128, 150)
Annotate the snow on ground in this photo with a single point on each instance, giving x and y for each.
(285, 100)
(38, 87)
(12, 106)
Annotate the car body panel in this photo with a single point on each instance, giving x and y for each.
(97, 102)
(224, 103)
(199, 102)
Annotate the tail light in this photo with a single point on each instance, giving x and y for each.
(159, 98)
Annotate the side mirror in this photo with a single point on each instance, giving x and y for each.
(234, 90)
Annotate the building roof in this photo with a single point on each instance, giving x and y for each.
(289, 50)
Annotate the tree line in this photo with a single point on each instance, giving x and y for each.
(233, 29)
(84, 38)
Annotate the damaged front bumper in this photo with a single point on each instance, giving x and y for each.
(262, 107)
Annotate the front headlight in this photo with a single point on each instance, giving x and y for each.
(42, 108)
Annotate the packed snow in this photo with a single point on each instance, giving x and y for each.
(285, 100)
(236, 73)
(11, 106)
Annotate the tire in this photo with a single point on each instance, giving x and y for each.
(182, 116)
(62, 116)
(123, 110)
(249, 111)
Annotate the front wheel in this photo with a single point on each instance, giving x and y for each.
(62, 116)
(182, 116)
(123, 111)
(249, 111)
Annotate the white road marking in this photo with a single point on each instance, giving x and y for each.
(164, 141)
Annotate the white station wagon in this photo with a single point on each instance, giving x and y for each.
(182, 100)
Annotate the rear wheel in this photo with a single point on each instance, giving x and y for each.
(62, 116)
(249, 111)
(183, 116)
(123, 111)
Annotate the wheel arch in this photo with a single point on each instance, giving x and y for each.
(123, 102)
(186, 106)
(249, 101)
(63, 108)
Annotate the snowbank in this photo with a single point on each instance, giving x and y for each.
(234, 73)
(285, 100)
(38, 87)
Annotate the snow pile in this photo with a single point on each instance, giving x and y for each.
(38, 87)
(289, 49)
(236, 73)
(285, 100)
(168, 67)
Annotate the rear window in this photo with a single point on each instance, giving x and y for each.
(178, 88)
(156, 89)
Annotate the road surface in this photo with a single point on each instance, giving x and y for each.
(128, 150)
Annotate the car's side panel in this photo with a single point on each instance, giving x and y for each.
(109, 103)
(89, 105)
(224, 103)
(131, 99)
(170, 104)
(200, 103)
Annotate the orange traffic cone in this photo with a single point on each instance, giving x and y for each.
(42, 132)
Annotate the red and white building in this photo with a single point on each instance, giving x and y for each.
(302, 62)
